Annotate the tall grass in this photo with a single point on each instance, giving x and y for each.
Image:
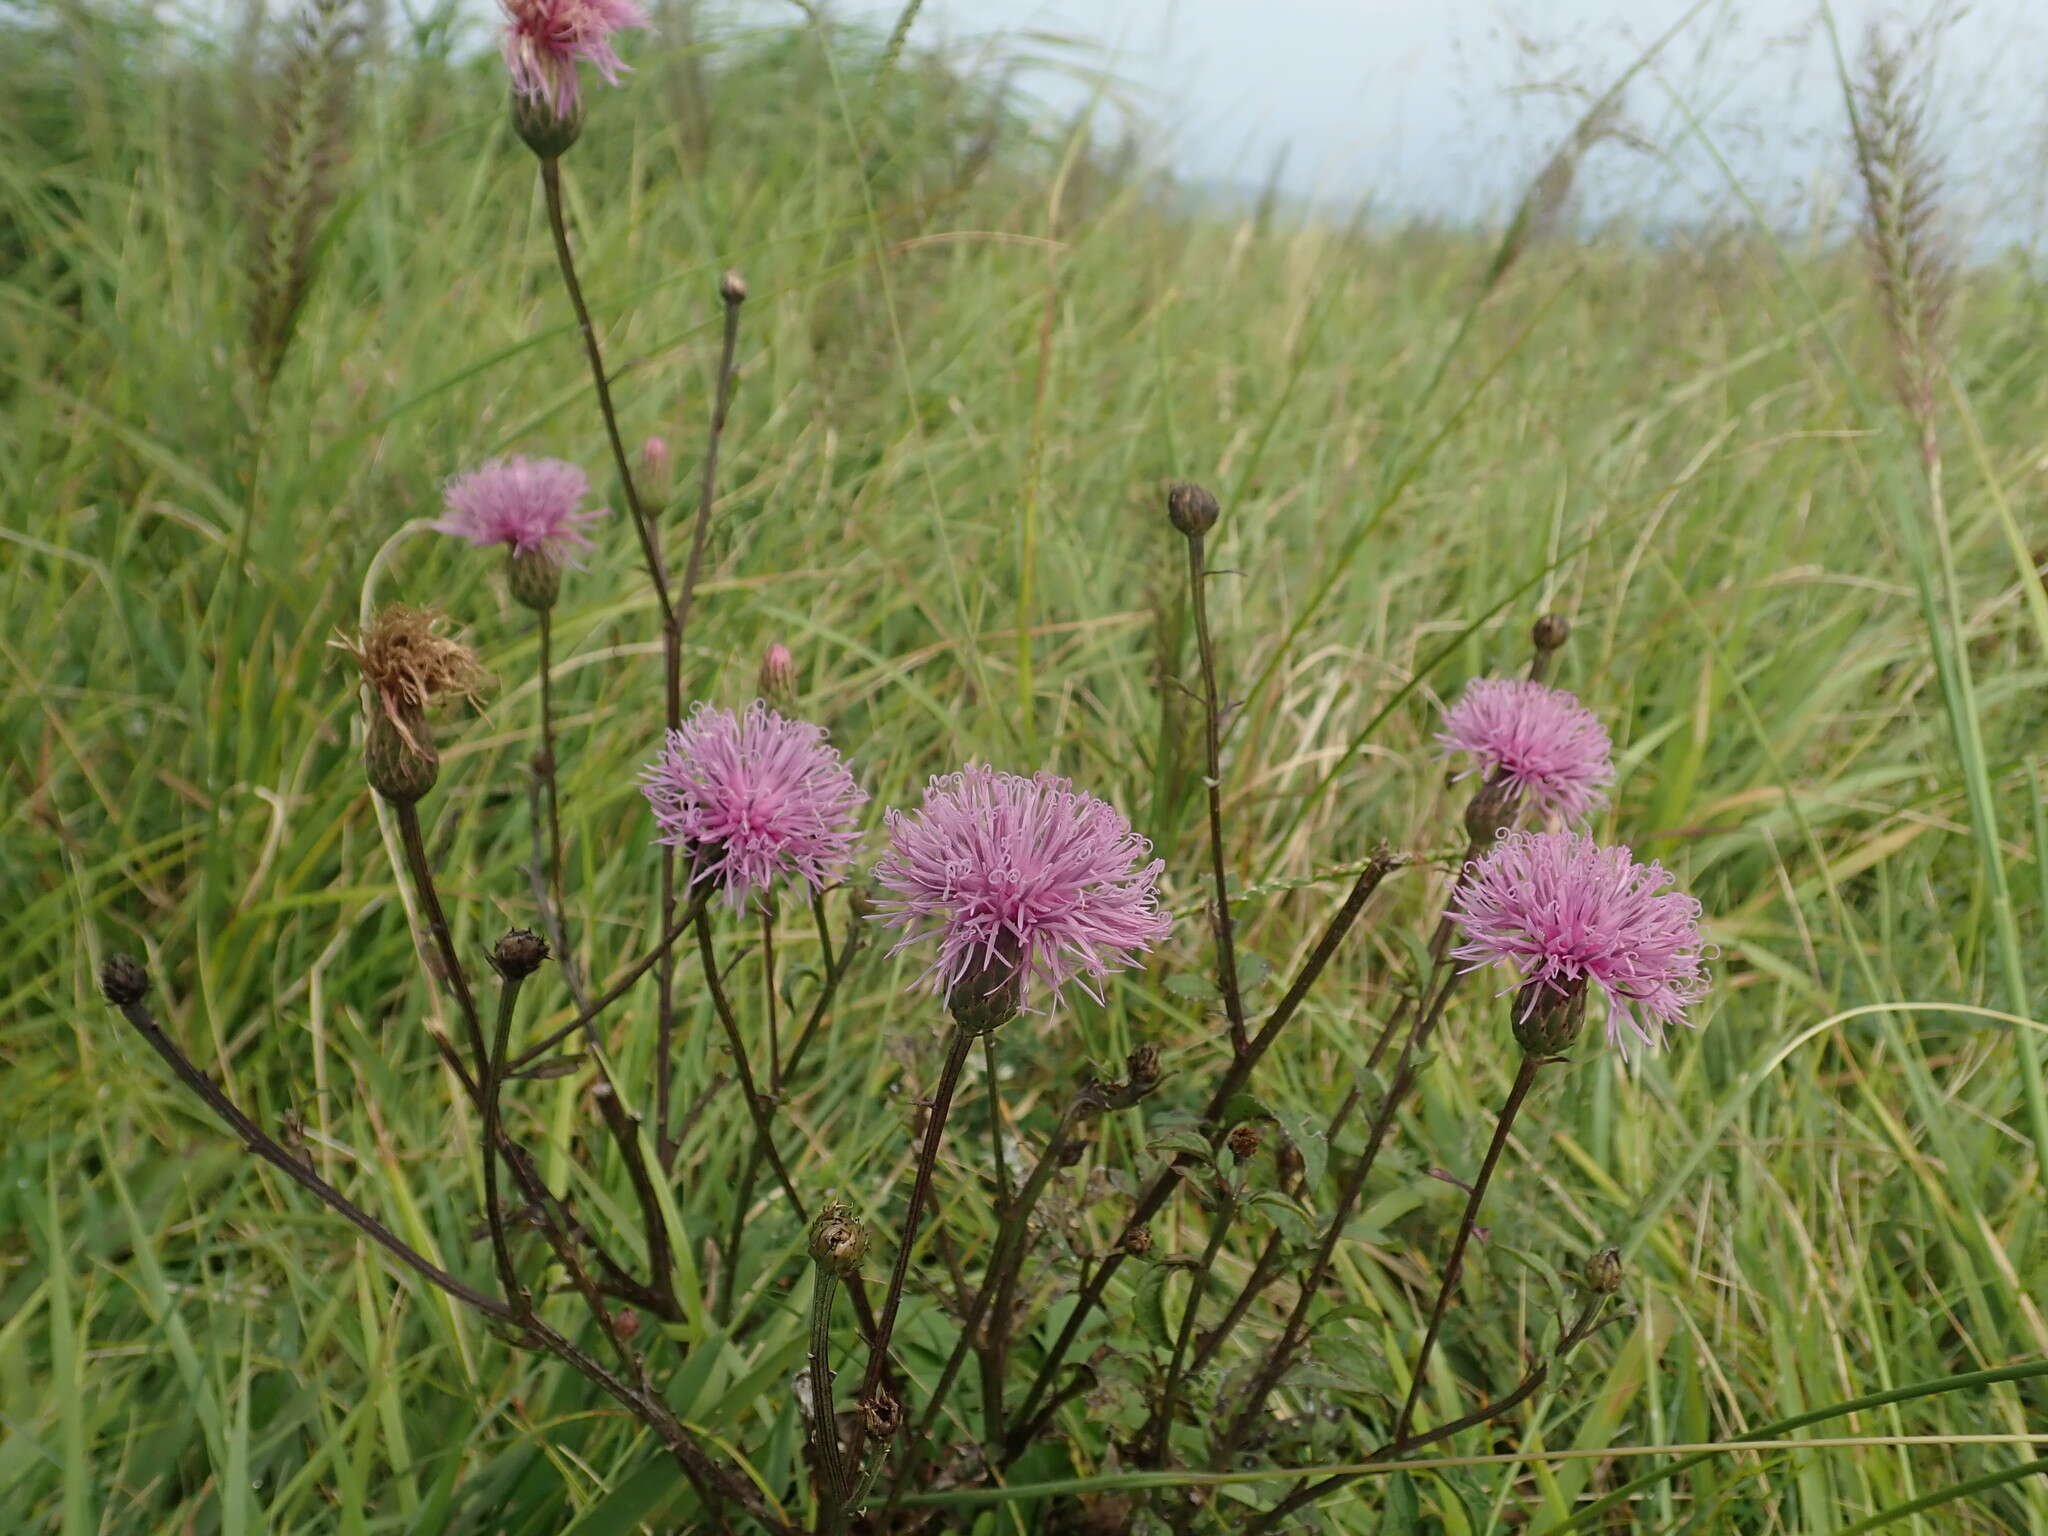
(1832, 1191)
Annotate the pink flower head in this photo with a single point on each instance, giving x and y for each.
(1547, 746)
(1008, 871)
(544, 40)
(1565, 912)
(752, 797)
(529, 504)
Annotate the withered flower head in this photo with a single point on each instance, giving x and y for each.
(409, 667)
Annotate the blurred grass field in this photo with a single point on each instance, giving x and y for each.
(976, 348)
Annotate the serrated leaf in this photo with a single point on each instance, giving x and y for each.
(1307, 1136)
(1284, 1212)
(1181, 1140)
(1253, 971)
(1148, 1306)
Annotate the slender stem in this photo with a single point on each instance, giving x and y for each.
(414, 843)
(1226, 933)
(824, 1417)
(1162, 1416)
(1264, 1269)
(1281, 1355)
(734, 295)
(1525, 1078)
(560, 1225)
(1156, 1193)
(756, 1109)
(625, 1134)
(493, 1086)
(941, 1106)
(671, 644)
(1585, 1327)
(768, 988)
(547, 768)
(650, 548)
(997, 1287)
(709, 1479)
(618, 989)
(267, 1147)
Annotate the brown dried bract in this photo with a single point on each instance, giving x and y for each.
(410, 666)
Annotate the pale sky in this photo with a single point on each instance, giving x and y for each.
(1449, 107)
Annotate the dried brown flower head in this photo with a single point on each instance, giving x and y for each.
(410, 666)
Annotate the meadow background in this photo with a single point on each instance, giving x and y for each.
(980, 340)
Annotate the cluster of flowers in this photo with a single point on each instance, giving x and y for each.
(1028, 878)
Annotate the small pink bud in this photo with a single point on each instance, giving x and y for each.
(778, 676)
(655, 458)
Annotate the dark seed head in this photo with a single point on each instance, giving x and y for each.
(1192, 510)
(1551, 631)
(732, 287)
(519, 954)
(1243, 1142)
(123, 981)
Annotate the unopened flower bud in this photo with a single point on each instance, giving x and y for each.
(546, 132)
(838, 1240)
(1137, 1242)
(123, 981)
(655, 459)
(519, 954)
(1551, 631)
(1548, 1018)
(1603, 1271)
(626, 1323)
(1191, 509)
(778, 676)
(1243, 1142)
(732, 287)
(534, 576)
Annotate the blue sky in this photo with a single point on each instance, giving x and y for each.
(1447, 107)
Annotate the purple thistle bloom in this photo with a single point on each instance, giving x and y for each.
(1565, 911)
(529, 504)
(1003, 870)
(1547, 746)
(754, 797)
(544, 39)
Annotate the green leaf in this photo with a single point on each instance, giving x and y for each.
(1148, 1306)
(1306, 1134)
(1192, 985)
(1402, 1513)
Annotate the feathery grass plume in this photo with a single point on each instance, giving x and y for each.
(409, 667)
(309, 121)
(1911, 260)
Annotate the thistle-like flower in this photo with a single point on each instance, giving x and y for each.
(546, 39)
(1025, 883)
(409, 667)
(1547, 747)
(1569, 915)
(534, 508)
(753, 798)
